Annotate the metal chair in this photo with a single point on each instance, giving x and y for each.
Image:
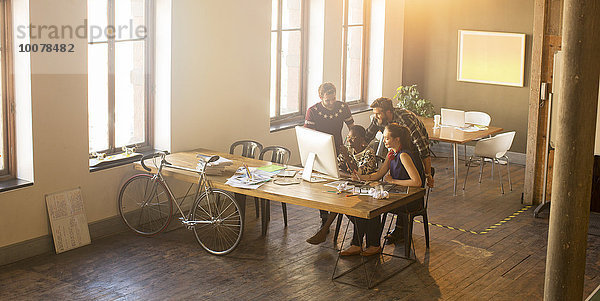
(476, 118)
(279, 155)
(493, 148)
(410, 216)
(250, 149)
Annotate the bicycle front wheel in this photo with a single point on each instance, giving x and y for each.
(145, 205)
(218, 222)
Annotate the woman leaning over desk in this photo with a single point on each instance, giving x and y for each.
(405, 169)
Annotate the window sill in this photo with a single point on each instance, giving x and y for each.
(14, 184)
(117, 163)
(288, 124)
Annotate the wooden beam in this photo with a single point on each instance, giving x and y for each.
(534, 154)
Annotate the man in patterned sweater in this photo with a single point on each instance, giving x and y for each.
(328, 116)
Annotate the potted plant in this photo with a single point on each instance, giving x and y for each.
(407, 97)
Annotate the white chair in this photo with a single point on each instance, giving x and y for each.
(477, 118)
(493, 148)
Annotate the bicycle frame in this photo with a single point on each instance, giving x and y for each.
(202, 183)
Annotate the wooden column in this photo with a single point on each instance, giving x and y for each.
(569, 213)
(546, 40)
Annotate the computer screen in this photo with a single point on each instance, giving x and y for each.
(452, 117)
(317, 152)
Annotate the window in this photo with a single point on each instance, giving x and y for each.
(7, 126)
(287, 63)
(354, 33)
(120, 52)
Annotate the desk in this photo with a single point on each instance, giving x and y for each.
(312, 195)
(456, 137)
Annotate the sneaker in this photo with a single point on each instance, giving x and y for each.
(370, 251)
(352, 250)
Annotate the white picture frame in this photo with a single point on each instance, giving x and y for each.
(491, 57)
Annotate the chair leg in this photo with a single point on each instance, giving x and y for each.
(465, 152)
(284, 209)
(481, 163)
(467, 174)
(268, 209)
(256, 206)
(492, 169)
(426, 228)
(408, 235)
(500, 177)
(508, 172)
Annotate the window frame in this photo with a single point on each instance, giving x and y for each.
(149, 63)
(302, 105)
(8, 102)
(365, 53)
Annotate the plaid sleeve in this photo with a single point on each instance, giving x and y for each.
(371, 131)
(419, 135)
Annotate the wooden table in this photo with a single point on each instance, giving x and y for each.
(456, 137)
(313, 195)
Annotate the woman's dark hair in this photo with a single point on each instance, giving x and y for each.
(402, 132)
(358, 130)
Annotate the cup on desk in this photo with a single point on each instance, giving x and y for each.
(436, 120)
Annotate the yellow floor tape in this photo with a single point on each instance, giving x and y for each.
(488, 229)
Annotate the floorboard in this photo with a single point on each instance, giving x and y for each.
(506, 263)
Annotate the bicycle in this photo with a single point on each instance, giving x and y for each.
(146, 207)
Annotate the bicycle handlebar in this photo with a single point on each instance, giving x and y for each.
(152, 156)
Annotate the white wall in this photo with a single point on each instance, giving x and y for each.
(221, 71)
(219, 94)
(60, 140)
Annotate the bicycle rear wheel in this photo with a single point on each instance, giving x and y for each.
(218, 222)
(145, 205)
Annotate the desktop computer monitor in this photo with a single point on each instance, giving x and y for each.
(317, 151)
(453, 117)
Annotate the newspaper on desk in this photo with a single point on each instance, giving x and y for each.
(256, 179)
(213, 168)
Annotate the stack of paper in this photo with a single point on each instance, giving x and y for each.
(257, 177)
(213, 168)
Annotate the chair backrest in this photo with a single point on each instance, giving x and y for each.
(495, 147)
(279, 154)
(250, 148)
(478, 118)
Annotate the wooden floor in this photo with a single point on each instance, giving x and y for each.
(505, 264)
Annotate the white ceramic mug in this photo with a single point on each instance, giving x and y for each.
(436, 120)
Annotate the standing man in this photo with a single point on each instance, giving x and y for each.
(385, 113)
(328, 116)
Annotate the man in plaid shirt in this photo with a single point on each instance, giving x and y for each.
(386, 113)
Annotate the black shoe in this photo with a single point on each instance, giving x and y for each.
(397, 236)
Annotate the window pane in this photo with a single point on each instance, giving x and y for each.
(97, 20)
(291, 14)
(290, 71)
(130, 112)
(274, 14)
(354, 64)
(273, 74)
(355, 12)
(98, 96)
(129, 19)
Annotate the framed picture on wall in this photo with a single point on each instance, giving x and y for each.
(491, 57)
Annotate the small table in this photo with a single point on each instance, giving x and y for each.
(455, 136)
